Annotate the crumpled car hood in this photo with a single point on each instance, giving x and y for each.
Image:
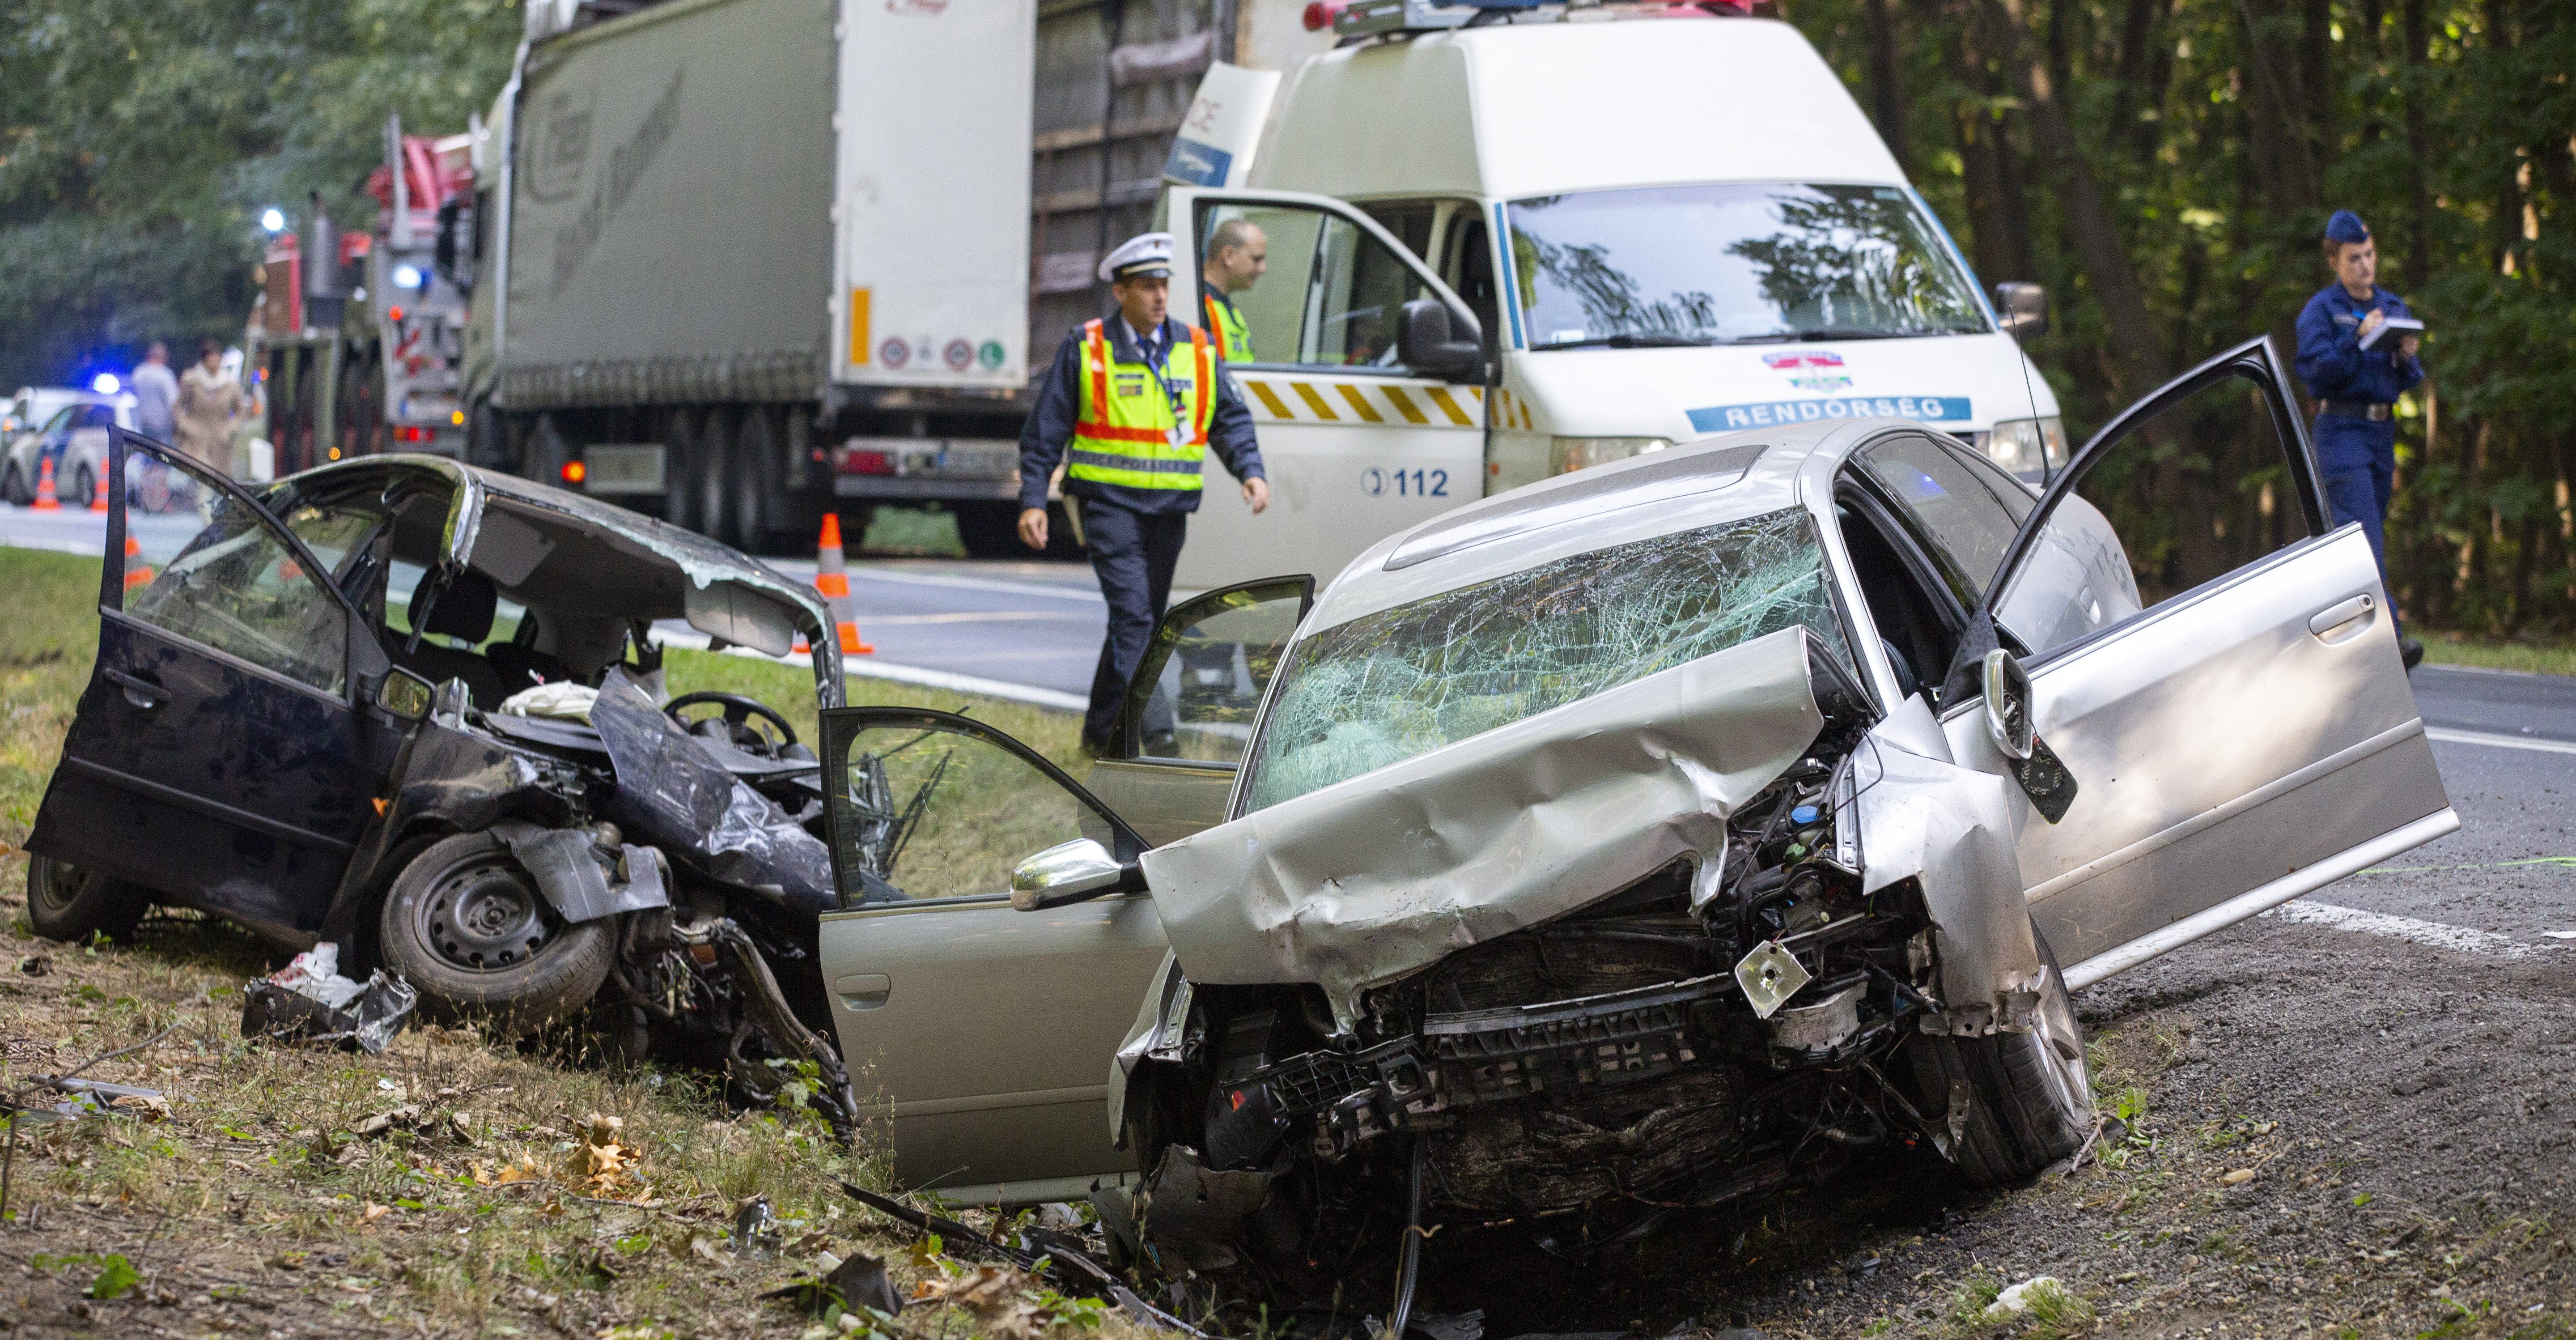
(1365, 881)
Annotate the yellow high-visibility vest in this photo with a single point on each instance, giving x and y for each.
(1122, 432)
(1233, 338)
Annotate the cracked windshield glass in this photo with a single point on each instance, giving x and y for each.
(1735, 264)
(1385, 687)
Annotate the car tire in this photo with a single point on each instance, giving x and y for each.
(2030, 1096)
(510, 959)
(67, 903)
(84, 488)
(13, 487)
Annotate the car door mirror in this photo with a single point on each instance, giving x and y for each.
(1071, 872)
(2007, 688)
(405, 695)
(2021, 309)
(1423, 343)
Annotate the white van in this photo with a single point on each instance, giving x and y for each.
(1658, 229)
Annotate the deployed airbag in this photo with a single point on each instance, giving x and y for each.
(671, 795)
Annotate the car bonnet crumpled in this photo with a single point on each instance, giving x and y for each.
(671, 795)
(1364, 881)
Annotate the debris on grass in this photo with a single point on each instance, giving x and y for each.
(308, 1000)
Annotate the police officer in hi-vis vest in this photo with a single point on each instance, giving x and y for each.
(1131, 406)
(1238, 254)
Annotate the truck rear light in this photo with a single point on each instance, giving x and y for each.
(1321, 13)
(864, 461)
(574, 472)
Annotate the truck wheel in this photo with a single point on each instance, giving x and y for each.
(67, 903)
(466, 923)
(2030, 1097)
(715, 463)
(751, 484)
(992, 530)
(679, 474)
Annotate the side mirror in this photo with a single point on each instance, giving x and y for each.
(1071, 872)
(2007, 689)
(405, 695)
(1422, 342)
(2022, 309)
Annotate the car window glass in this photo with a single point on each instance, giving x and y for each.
(1206, 693)
(206, 566)
(923, 811)
(61, 422)
(1332, 292)
(333, 532)
(1467, 263)
(2194, 493)
(1956, 516)
(2017, 497)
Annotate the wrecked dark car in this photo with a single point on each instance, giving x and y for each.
(415, 709)
(1644, 839)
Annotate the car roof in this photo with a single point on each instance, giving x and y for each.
(1704, 482)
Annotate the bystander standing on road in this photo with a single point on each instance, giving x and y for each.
(208, 402)
(156, 393)
(1132, 405)
(2356, 363)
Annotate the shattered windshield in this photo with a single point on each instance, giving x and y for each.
(1385, 687)
(1734, 264)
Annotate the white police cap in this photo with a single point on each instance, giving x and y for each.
(1146, 255)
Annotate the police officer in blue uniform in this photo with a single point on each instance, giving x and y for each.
(1135, 486)
(2356, 388)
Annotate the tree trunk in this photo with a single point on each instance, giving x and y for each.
(2275, 119)
(2316, 80)
(2088, 215)
(2419, 150)
(1887, 82)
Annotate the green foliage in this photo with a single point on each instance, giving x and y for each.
(2221, 133)
(116, 1275)
(140, 140)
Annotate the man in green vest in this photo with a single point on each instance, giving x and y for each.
(1238, 255)
(1131, 406)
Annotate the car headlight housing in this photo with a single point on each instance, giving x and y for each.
(2027, 446)
(1567, 454)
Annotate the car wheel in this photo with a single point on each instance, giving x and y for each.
(13, 486)
(67, 903)
(2030, 1096)
(466, 923)
(84, 488)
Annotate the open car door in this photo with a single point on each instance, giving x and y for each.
(987, 1034)
(228, 746)
(2247, 734)
(1366, 382)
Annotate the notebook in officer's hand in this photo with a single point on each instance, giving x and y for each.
(2405, 323)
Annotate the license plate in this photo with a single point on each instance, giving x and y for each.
(624, 469)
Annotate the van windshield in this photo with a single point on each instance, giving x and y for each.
(1735, 264)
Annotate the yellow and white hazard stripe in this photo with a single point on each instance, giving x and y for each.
(1358, 402)
(1511, 411)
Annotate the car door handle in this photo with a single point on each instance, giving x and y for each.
(864, 990)
(2344, 620)
(139, 691)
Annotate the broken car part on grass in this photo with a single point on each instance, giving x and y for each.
(341, 712)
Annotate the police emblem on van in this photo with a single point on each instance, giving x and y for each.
(1810, 369)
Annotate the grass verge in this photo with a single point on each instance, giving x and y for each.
(2491, 654)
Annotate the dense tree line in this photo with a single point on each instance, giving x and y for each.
(141, 139)
(2166, 168)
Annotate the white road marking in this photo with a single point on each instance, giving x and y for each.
(872, 668)
(981, 584)
(2459, 939)
(2447, 735)
(867, 621)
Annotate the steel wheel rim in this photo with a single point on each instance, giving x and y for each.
(483, 916)
(2061, 1045)
(59, 889)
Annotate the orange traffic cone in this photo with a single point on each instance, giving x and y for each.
(832, 578)
(136, 576)
(98, 495)
(45, 499)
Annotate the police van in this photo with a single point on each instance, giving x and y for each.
(1507, 242)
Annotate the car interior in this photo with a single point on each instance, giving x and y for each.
(1919, 629)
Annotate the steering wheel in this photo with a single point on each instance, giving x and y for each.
(738, 711)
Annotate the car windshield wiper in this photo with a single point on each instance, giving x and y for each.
(1631, 342)
(1837, 333)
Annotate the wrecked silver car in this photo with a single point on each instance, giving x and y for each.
(1642, 839)
(415, 709)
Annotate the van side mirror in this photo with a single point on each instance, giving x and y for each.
(2022, 309)
(1071, 872)
(404, 694)
(1423, 344)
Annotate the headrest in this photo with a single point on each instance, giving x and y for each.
(464, 609)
